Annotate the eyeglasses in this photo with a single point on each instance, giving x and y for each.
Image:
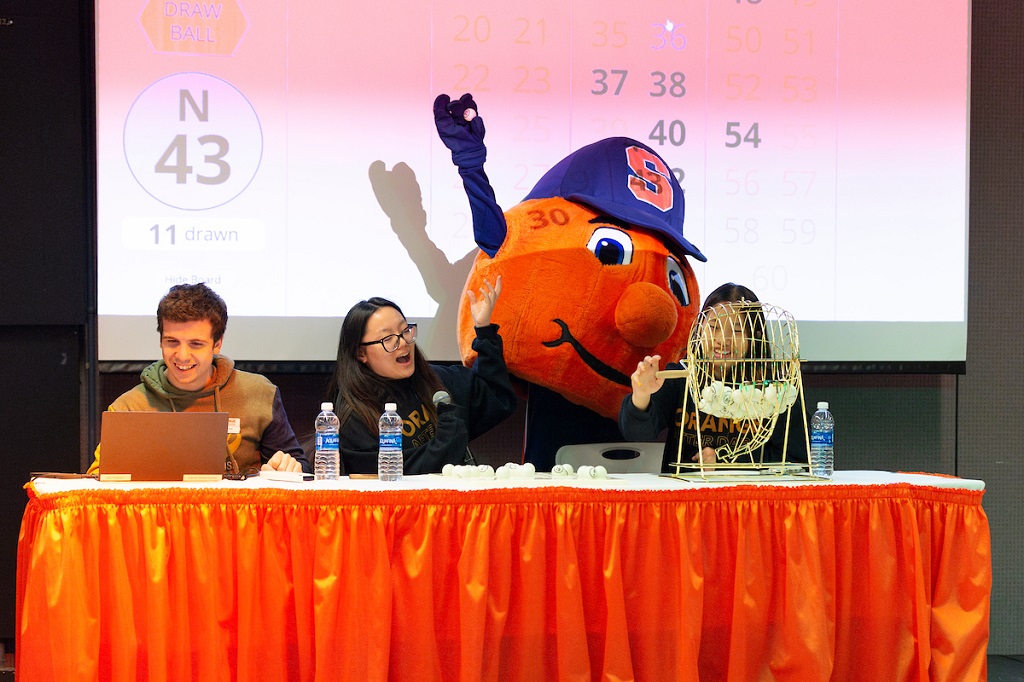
(391, 342)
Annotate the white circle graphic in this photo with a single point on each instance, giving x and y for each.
(193, 141)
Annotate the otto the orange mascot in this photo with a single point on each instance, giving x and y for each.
(598, 272)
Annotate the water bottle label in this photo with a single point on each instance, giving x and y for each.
(391, 441)
(327, 441)
(821, 438)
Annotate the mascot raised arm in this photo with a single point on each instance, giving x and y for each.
(600, 277)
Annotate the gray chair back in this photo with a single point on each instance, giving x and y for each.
(617, 458)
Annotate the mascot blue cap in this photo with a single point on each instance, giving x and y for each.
(624, 179)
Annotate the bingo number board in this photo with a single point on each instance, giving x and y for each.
(822, 145)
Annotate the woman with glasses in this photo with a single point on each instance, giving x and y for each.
(379, 362)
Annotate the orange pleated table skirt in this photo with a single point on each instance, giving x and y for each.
(835, 582)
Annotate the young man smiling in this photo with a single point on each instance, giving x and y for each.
(193, 376)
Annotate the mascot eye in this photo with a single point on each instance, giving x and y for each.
(611, 246)
(677, 282)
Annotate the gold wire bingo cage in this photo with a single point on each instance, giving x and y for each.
(743, 364)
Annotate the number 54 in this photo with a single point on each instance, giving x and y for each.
(732, 131)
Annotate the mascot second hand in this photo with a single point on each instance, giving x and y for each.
(597, 266)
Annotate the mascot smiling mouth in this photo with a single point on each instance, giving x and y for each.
(603, 370)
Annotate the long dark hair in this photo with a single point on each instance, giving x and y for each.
(356, 390)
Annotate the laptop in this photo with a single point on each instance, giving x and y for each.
(163, 446)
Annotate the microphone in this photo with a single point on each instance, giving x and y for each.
(444, 398)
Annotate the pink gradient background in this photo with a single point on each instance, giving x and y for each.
(336, 87)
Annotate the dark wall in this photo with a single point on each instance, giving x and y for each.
(40, 379)
(43, 166)
(990, 401)
(45, 242)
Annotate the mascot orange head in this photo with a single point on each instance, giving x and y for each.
(596, 273)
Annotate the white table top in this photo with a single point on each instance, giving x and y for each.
(45, 485)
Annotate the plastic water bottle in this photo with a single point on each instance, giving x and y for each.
(390, 461)
(326, 460)
(822, 454)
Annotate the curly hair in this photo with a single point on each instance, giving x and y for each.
(193, 303)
